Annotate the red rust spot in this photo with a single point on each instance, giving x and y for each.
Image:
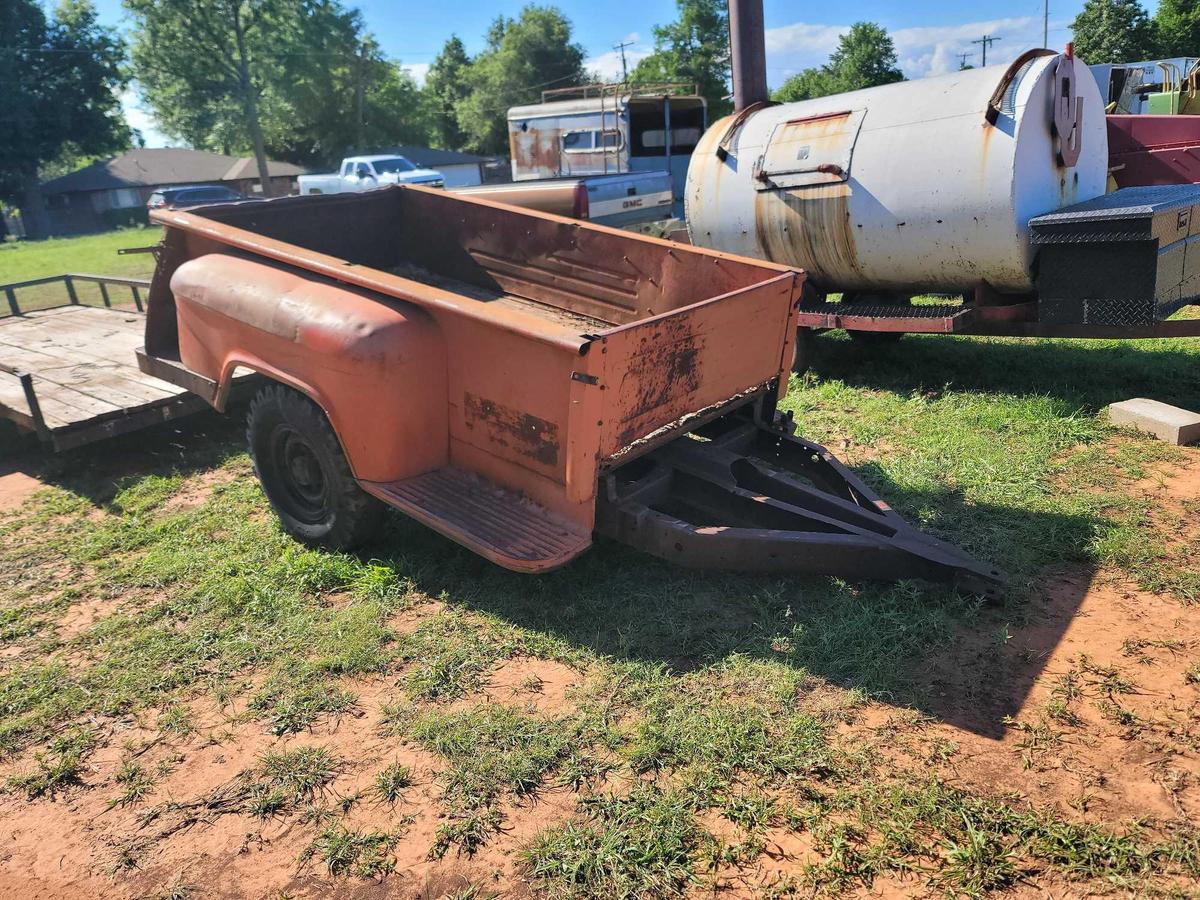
(526, 434)
(668, 371)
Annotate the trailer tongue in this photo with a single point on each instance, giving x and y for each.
(517, 382)
(742, 495)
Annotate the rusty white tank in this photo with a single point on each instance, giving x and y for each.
(924, 185)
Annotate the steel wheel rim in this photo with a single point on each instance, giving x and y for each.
(304, 487)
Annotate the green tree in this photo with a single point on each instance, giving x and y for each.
(865, 57)
(1177, 27)
(522, 56)
(60, 82)
(207, 68)
(695, 47)
(805, 85)
(294, 79)
(1111, 31)
(339, 95)
(446, 87)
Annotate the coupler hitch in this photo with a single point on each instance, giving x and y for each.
(739, 495)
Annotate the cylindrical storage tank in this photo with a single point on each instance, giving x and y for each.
(906, 187)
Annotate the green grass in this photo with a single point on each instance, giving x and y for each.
(695, 703)
(391, 781)
(360, 853)
(644, 845)
(93, 254)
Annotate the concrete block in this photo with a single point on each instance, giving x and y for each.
(1165, 422)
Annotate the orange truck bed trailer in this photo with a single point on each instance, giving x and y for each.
(518, 382)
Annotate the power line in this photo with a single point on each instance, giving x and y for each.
(987, 40)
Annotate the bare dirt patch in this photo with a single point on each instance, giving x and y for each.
(197, 489)
(540, 685)
(15, 488)
(81, 845)
(1087, 708)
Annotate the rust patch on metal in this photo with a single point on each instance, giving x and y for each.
(536, 150)
(526, 434)
(666, 369)
(809, 227)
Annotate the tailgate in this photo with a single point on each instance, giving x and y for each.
(662, 373)
(630, 198)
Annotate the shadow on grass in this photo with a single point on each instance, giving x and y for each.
(99, 471)
(621, 604)
(883, 639)
(1085, 375)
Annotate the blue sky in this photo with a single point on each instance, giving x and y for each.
(929, 34)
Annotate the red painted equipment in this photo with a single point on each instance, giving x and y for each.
(1146, 150)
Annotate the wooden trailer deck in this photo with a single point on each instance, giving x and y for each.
(69, 373)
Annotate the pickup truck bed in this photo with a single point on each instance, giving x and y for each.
(516, 381)
(619, 200)
(548, 349)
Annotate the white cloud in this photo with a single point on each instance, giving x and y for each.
(608, 64)
(418, 71)
(927, 50)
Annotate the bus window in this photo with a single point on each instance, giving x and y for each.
(577, 141)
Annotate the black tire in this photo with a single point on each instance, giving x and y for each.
(304, 472)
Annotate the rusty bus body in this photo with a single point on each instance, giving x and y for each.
(513, 380)
(600, 129)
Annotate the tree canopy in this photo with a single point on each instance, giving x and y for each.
(296, 79)
(61, 80)
(1177, 28)
(1111, 31)
(865, 57)
(446, 87)
(695, 47)
(522, 56)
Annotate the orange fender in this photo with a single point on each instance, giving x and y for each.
(377, 366)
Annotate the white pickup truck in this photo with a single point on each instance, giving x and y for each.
(362, 173)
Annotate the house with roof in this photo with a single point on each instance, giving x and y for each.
(460, 169)
(114, 191)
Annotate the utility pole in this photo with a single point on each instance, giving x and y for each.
(360, 90)
(624, 68)
(987, 40)
(962, 59)
(1046, 23)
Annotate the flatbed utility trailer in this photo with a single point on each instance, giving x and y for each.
(68, 370)
(518, 382)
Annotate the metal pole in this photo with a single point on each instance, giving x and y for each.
(1046, 24)
(748, 50)
(624, 67)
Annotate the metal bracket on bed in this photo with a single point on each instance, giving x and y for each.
(739, 495)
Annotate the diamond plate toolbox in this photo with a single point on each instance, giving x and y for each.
(1128, 258)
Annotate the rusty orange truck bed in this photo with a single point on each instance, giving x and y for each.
(516, 381)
